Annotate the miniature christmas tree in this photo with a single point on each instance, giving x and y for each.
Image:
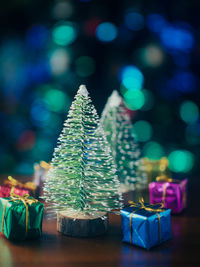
(125, 149)
(82, 181)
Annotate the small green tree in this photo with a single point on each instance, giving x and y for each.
(82, 176)
(125, 149)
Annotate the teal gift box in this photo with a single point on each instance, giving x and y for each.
(145, 225)
(21, 217)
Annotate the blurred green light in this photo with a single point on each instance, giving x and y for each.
(134, 99)
(132, 83)
(64, 34)
(85, 66)
(148, 100)
(143, 130)
(181, 161)
(189, 112)
(56, 100)
(153, 150)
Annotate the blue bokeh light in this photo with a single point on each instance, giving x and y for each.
(40, 115)
(106, 32)
(134, 21)
(37, 36)
(176, 38)
(16, 84)
(38, 72)
(131, 77)
(155, 22)
(27, 75)
(184, 81)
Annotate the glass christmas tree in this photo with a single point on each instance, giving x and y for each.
(125, 149)
(82, 178)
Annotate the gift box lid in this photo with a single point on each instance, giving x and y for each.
(143, 212)
(164, 179)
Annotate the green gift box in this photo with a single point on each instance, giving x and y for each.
(21, 217)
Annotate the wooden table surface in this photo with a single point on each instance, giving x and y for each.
(54, 249)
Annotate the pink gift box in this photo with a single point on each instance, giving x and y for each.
(6, 189)
(173, 194)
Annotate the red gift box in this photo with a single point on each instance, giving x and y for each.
(13, 186)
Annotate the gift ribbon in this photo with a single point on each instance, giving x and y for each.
(45, 165)
(151, 208)
(13, 182)
(26, 200)
(165, 179)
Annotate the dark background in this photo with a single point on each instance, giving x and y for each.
(39, 74)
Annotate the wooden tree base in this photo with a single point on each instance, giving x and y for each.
(81, 225)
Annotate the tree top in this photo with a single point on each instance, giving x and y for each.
(115, 99)
(83, 90)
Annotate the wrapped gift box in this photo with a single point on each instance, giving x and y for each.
(156, 168)
(5, 191)
(173, 193)
(21, 217)
(145, 225)
(13, 186)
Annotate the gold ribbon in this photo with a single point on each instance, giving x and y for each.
(13, 182)
(26, 200)
(45, 165)
(165, 179)
(151, 208)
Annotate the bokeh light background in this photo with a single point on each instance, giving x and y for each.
(148, 50)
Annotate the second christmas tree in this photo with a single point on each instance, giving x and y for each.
(125, 149)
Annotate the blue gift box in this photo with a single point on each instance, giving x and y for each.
(145, 225)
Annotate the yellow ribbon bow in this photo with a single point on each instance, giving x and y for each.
(26, 201)
(45, 165)
(156, 208)
(13, 182)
